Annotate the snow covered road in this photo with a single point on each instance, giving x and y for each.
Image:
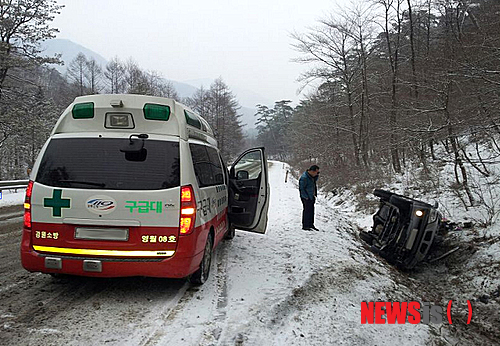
(288, 287)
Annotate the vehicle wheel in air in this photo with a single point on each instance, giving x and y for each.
(200, 276)
(366, 236)
(383, 194)
(231, 231)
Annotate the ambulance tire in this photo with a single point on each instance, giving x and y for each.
(231, 231)
(200, 276)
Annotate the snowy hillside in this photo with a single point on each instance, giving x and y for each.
(472, 271)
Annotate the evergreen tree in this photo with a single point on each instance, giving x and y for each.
(23, 25)
(219, 107)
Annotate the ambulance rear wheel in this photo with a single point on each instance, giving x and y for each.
(200, 276)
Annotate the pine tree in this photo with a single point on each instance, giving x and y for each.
(23, 25)
(219, 107)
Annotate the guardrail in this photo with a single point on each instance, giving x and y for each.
(13, 184)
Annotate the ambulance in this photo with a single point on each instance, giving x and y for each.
(132, 185)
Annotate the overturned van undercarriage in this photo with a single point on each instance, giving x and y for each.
(403, 230)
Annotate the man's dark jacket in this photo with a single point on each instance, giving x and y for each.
(307, 186)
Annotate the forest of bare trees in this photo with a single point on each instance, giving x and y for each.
(397, 80)
(33, 94)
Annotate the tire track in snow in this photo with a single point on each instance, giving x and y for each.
(318, 288)
(213, 333)
(167, 313)
(216, 325)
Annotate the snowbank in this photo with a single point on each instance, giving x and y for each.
(471, 273)
(12, 197)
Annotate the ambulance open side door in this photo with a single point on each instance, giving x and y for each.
(249, 191)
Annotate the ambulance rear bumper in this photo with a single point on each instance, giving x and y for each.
(177, 266)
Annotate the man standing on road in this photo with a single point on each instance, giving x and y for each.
(308, 193)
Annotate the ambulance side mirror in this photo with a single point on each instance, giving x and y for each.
(242, 175)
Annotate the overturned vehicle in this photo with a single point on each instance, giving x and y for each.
(403, 230)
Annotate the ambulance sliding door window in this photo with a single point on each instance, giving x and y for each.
(216, 166)
(207, 165)
(202, 165)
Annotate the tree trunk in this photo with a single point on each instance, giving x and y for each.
(365, 106)
(412, 46)
(456, 150)
(393, 59)
(353, 128)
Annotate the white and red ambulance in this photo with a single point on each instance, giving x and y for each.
(132, 185)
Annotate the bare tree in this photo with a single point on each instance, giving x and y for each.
(115, 75)
(168, 90)
(93, 76)
(77, 72)
(332, 47)
(23, 25)
(393, 7)
(136, 81)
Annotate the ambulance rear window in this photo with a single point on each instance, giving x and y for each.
(98, 163)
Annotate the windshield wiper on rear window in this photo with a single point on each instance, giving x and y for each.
(83, 182)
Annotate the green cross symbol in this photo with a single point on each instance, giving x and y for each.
(57, 203)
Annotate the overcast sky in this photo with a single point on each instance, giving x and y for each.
(246, 42)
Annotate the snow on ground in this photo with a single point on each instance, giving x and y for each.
(288, 287)
(12, 197)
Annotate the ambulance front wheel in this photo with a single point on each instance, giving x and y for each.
(200, 276)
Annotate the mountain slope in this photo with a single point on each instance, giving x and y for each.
(69, 51)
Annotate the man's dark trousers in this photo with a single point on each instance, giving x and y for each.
(307, 213)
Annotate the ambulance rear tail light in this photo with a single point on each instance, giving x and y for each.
(188, 210)
(27, 206)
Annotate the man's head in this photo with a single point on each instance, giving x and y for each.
(313, 170)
